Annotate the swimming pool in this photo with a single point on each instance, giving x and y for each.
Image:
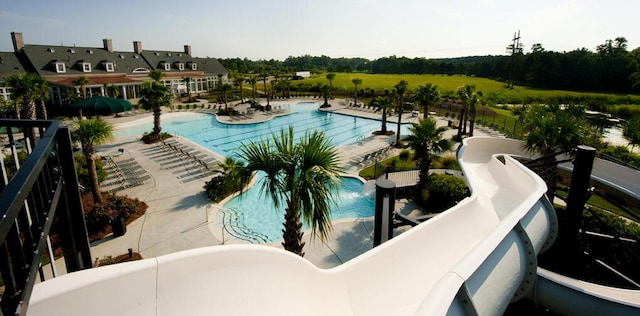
(260, 216)
(225, 139)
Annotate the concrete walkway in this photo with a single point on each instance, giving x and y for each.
(181, 217)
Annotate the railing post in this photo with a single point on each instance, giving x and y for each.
(76, 249)
(578, 195)
(385, 205)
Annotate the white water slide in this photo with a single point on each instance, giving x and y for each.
(475, 258)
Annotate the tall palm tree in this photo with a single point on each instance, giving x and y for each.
(42, 94)
(156, 75)
(187, 83)
(426, 139)
(253, 81)
(264, 76)
(303, 177)
(330, 77)
(91, 133)
(356, 82)
(238, 84)
(469, 98)
(82, 82)
(401, 88)
(325, 94)
(428, 95)
(552, 129)
(154, 95)
(384, 103)
(26, 89)
(224, 90)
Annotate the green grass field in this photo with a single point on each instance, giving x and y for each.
(449, 84)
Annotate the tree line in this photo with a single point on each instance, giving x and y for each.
(611, 67)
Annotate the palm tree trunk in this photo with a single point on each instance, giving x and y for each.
(384, 121)
(156, 121)
(461, 121)
(292, 232)
(93, 177)
(472, 119)
(43, 110)
(425, 163)
(547, 170)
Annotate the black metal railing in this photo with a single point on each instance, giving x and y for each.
(34, 193)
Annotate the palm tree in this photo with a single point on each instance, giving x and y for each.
(156, 75)
(426, 139)
(401, 88)
(428, 95)
(238, 83)
(325, 94)
(330, 77)
(384, 103)
(154, 95)
(82, 81)
(91, 133)
(253, 81)
(356, 83)
(187, 82)
(224, 90)
(26, 89)
(469, 97)
(303, 177)
(264, 76)
(551, 129)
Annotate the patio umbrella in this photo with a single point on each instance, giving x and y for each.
(103, 105)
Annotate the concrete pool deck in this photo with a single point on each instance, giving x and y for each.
(181, 217)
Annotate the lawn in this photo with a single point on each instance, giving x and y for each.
(449, 84)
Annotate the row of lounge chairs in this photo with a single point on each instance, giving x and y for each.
(373, 155)
(125, 173)
(190, 156)
(368, 109)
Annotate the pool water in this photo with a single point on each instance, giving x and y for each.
(225, 139)
(259, 214)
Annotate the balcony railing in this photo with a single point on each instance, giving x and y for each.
(35, 193)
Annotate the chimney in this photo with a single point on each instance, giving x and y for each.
(108, 45)
(187, 49)
(18, 41)
(137, 47)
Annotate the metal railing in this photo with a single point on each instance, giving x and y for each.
(43, 190)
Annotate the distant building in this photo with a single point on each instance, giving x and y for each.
(105, 68)
(301, 74)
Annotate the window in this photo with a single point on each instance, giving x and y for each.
(140, 70)
(51, 50)
(60, 67)
(86, 67)
(194, 66)
(180, 66)
(90, 51)
(71, 50)
(108, 67)
(167, 66)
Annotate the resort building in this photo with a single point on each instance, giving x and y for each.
(108, 72)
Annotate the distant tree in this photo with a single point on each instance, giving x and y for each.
(631, 131)
(469, 98)
(264, 76)
(238, 84)
(187, 83)
(330, 77)
(428, 95)
(400, 88)
(224, 91)
(82, 82)
(356, 82)
(253, 81)
(325, 94)
(384, 103)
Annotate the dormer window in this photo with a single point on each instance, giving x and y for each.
(108, 67)
(179, 55)
(169, 54)
(86, 67)
(121, 56)
(51, 50)
(157, 54)
(60, 67)
(72, 50)
(180, 66)
(167, 66)
(90, 51)
(194, 66)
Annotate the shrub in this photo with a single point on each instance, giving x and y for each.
(404, 155)
(98, 217)
(149, 138)
(83, 172)
(449, 162)
(443, 191)
(221, 186)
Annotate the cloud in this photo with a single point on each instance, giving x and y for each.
(35, 20)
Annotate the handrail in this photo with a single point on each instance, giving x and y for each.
(44, 188)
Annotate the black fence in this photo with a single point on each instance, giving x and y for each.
(38, 187)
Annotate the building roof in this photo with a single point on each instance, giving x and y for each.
(44, 57)
(11, 63)
(210, 65)
(157, 59)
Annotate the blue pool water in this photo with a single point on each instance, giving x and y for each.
(258, 212)
(261, 216)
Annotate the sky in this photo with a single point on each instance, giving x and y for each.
(277, 29)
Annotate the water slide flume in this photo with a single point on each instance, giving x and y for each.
(476, 256)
